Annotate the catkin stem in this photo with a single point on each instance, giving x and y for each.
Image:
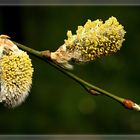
(86, 85)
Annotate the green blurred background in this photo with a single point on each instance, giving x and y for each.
(58, 105)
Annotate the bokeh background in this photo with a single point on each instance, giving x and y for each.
(58, 105)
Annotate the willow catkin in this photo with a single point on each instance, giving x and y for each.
(93, 40)
(15, 73)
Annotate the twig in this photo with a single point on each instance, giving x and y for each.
(45, 55)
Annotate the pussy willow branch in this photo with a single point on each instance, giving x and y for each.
(45, 55)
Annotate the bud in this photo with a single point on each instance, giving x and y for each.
(15, 73)
(91, 41)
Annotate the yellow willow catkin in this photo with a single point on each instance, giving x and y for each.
(93, 40)
(15, 73)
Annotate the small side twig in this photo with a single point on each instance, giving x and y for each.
(45, 55)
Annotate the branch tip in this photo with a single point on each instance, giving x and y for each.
(131, 105)
(128, 103)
